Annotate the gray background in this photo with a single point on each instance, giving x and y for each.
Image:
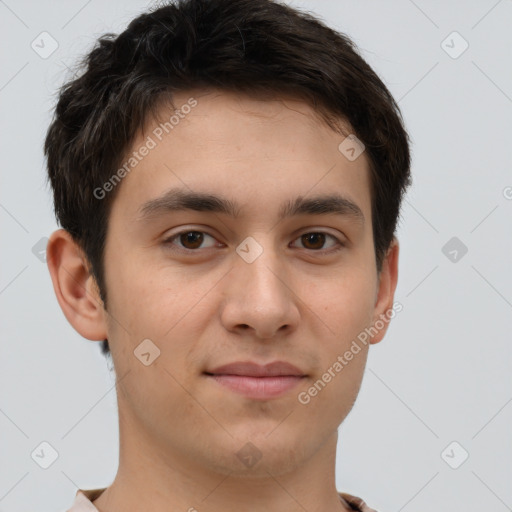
(442, 373)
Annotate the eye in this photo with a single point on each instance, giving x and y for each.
(316, 240)
(189, 240)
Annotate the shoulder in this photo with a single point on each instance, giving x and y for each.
(356, 503)
(83, 500)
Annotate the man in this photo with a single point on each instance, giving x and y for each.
(228, 175)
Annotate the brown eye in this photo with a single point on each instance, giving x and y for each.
(189, 241)
(315, 241)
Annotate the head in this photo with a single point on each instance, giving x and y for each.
(206, 130)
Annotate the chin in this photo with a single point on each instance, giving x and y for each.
(260, 455)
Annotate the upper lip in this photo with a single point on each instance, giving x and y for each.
(250, 369)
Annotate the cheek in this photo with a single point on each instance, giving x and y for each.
(144, 301)
(332, 393)
(348, 312)
(162, 305)
(345, 303)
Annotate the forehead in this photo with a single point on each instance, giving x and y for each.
(244, 147)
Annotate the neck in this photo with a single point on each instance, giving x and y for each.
(164, 479)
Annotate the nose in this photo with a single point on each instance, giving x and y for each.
(259, 299)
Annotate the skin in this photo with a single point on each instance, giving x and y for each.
(297, 302)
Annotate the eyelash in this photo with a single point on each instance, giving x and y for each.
(168, 241)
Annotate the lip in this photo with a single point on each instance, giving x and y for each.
(251, 369)
(260, 382)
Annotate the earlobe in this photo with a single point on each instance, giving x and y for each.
(388, 279)
(75, 287)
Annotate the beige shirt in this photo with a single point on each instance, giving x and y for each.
(84, 498)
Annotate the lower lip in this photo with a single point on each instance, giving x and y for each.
(258, 387)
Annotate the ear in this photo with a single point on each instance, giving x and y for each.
(388, 278)
(75, 288)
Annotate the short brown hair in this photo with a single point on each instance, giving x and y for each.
(249, 46)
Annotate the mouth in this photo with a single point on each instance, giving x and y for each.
(258, 382)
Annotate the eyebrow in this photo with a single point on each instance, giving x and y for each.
(179, 199)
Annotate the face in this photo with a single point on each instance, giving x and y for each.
(258, 275)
